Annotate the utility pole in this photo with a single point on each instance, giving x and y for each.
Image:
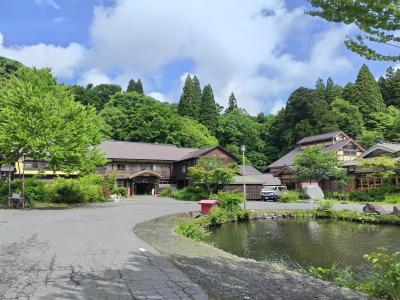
(243, 148)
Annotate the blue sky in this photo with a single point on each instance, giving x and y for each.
(227, 43)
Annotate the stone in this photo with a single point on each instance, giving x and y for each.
(371, 208)
(314, 192)
(396, 210)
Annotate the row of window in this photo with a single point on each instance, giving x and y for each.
(140, 167)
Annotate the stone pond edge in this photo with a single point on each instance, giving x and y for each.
(159, 233)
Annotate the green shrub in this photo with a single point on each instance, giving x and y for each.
(189, 193)
(167, 192)
(243, 215)
(219, 216)
(386, 277)
(374, 194)
(230, 201)
(392, 198)
(66, 191)
(121, 191)
(383, 282)
(192, 229)
(325, 208)
(289, 196)
(37, 190)
(342, 277)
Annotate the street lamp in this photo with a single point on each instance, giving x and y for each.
(243, 149)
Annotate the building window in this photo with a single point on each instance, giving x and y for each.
(184, 169)
(157, 167)
(121, 167)
(349, 151)
(31, 165)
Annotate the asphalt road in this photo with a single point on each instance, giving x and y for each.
(88, 253)
(92, 252)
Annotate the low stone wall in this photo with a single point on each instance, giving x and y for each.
(226, 276)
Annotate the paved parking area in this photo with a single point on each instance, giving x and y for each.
(92, 252)
(88, 253)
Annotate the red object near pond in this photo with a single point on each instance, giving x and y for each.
(206, 206)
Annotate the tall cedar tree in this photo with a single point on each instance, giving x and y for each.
(131, 85)
(390, 87)
(139, 87)
(196, 97)
(134, 86)
(208, 110)
(185, 107)
(330, 91)
(232, 103)
(367, 95)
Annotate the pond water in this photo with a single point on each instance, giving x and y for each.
(301, 243)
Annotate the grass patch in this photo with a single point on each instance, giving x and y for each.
(48, 205)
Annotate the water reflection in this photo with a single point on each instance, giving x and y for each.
(302, 243)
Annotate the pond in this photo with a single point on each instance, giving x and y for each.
(301, 243)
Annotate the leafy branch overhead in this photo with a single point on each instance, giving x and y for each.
(378, 21)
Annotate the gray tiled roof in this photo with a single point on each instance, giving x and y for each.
(250, 170)
(319, 137)
(263, 179)
(143, 151)
(385, 146)
(286, 160)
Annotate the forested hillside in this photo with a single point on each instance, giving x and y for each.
(366, 109)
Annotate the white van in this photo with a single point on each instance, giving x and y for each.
(272, 192)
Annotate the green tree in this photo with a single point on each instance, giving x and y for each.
(131, 86)
(185, 107)
(237, 128)
(134, 86)
(367, 95)
(135, 117)
(208, 115)
(232, 103)
(314, 163)
(332, 91)
(8, 67)
(377, 19)
(387, 123)
(390, 87)
(306, 113)
(348, 117)
(368, 138)
(383, 166)
(211, 172)
(196, 97)
(39, 119)
(104, 93)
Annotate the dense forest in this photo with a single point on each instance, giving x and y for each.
(368, 110)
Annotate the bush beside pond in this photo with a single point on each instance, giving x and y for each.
(85, 189)
(228, 211)
(384, 281)
(188, 193)
(387, 193)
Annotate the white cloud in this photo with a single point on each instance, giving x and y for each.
(227, 42)
(95, 77)
(64, 61)
(277, 106)
(52, 3)
(59, 20)
(158, 96)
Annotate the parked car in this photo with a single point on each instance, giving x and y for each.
(272, 192)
